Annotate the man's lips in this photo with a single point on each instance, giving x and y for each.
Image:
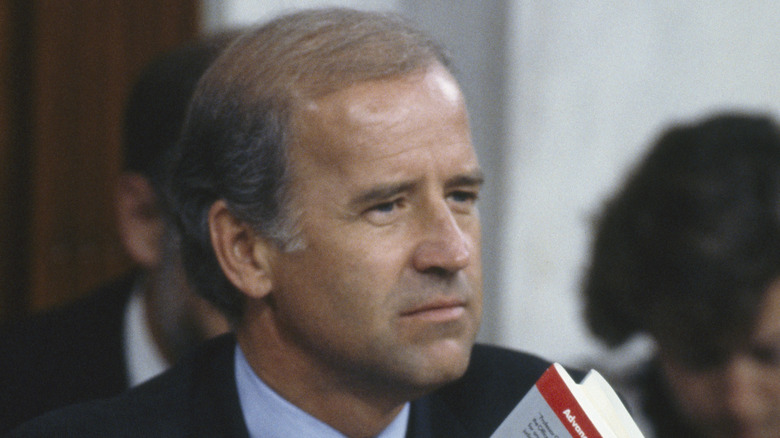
(437, 310)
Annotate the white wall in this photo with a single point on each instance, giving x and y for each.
(219, 14)
(564, 96)
(592, 83)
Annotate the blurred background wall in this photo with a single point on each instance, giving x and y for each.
(564, 96)
(591, 84)
(65, 69)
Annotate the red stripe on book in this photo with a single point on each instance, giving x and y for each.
(565, 406)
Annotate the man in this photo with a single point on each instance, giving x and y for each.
(688, 252)
(135, 327)
(326, 190)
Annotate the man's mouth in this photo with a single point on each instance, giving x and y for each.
(439, 310)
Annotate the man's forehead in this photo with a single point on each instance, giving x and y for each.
(361, 98)
(381, 107)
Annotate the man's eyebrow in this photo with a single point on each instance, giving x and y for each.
(380, 193)
(386, 191)
(474, 178)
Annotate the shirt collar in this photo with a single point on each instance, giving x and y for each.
(142, 356)
(268, 415)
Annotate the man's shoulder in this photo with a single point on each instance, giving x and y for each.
(63, 356)
(507, 373)
(144, 412)
(100, 304)
(197, 397)
(496, 380)
(488, 361)
(80, 327)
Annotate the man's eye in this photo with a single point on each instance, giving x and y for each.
(463, 196)
(463, 200)
(385, 207)
(384, 213)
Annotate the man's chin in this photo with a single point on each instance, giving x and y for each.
(445, 361)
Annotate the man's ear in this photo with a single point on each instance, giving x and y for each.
(245, 258)
(139, 221)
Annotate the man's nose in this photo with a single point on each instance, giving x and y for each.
(444, 245)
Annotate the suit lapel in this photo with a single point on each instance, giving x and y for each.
(430, 417)
(215, 407)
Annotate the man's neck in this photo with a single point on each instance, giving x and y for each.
(157, 333)
(355, 412)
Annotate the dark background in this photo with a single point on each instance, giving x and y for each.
(65, 70)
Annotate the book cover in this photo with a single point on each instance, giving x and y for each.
(558, 407)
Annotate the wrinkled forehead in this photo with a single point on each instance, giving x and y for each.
(369, 111)
(397, 128)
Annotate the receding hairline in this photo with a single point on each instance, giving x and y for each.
(311, 53)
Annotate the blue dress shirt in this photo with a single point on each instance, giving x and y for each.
(268, 415)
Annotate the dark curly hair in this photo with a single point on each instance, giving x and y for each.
(686, 249)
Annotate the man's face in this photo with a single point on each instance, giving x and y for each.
(740, 397)
(386, 291)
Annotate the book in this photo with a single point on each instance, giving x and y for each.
(559, 407)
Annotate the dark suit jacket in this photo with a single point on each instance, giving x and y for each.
(198, 398)
(65, 356)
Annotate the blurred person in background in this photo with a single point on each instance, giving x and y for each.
(135, 327)
(688, 252)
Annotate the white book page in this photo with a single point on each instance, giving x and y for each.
(599, 391)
